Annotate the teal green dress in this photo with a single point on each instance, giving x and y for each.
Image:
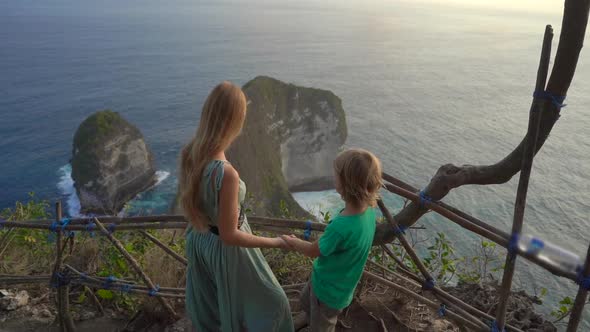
(230, 288)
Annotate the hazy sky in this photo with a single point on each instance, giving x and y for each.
(531, 5)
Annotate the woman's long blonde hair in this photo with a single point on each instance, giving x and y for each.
(221, 121)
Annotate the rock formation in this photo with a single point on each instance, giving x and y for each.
(111, 163)
(288, 143)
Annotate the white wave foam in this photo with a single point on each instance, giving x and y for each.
(318, 202)
(67, 189)
(161, 176)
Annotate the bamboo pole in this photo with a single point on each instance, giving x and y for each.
(408, 188)
(63, 291)
(164, 247)
(450, 215)
(118, 283)
(503, 241)
(159, 295)
(476, 326)
(135, 266)
(404, 242)
(581, 296)
(523, 182)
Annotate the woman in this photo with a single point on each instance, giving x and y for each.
(230, 287)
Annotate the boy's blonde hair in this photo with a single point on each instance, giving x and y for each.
(221, 121)
(359, 173)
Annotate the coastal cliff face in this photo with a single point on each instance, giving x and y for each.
(288, 143)
(111, 163)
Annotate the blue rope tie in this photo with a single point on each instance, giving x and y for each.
(90, 228)
(556, 100)
(2, 222)
(583, 281)
(126, 288)
(442, 310)
(111, 228)
(59, 280)
(494, 327)
(154, 291)
(428, 284)
(53, 227)
(423, 198)
(513, 244)
(307, 231)
(63, 223)
(109, 282)
(399, 229)
(83, 276)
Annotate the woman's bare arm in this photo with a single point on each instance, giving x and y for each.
(228, 217)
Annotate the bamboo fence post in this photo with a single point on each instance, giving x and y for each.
(164, 247)
(523, 182)
(63, 291)
(135, 266)
(405, 242)
(580, 302)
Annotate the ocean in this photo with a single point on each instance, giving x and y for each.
(422, 85)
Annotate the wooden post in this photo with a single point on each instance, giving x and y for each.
(537, 107)
(404, 242)
(66, 322)
(576, 313)
(135, 266)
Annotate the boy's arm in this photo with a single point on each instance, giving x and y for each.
(310, 249)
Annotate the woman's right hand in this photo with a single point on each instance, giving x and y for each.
(281, 243)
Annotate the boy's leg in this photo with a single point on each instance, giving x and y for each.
(322, 317)
(302, 319)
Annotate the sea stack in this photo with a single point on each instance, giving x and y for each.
(111, 163)
(288, 143)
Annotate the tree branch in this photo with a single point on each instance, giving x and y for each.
(449, 176)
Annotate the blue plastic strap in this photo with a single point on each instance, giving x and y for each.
(494, 327)
(513, 244)
(424, 198)
(59, 279)
(109, 282)
(583, 281)
(556, 100)
(90, 228)
(63, 223)
(53, 227)
(307, 231)
(154, 291)
(399, 229)
(536, 246)
(442, 310)
(428, 284)
(111, 228)
(126, 288)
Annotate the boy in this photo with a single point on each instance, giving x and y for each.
(343, 249)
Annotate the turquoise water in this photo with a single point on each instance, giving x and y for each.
(422, 85)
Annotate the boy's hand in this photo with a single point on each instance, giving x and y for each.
(291, 240)
(280, 243)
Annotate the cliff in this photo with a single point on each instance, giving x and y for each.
(111, 163)
(288, 143)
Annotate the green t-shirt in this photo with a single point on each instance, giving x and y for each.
(344, 249)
